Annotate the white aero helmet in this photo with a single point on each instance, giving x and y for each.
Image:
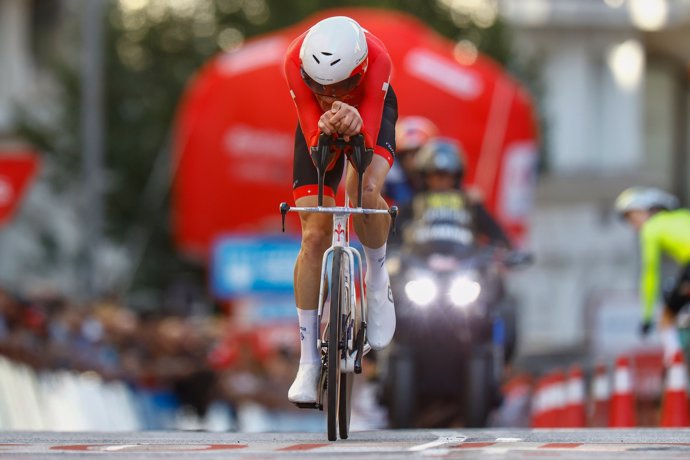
(333, 56)
(644, 199)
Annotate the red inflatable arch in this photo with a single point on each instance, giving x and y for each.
(236, 122)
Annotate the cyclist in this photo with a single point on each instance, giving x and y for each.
(338, 75)
(663, 229)
(460, 213)
(411, 133)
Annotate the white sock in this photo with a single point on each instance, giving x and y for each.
(308, 332)
(376, 272)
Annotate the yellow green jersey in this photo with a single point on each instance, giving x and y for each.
(666, 232)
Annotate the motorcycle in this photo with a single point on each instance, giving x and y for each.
(456, 329)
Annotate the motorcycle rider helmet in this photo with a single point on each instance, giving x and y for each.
(644, 199)
(412, 132)
(441, 154)
(334, 56)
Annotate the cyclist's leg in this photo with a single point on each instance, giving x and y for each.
(316, 238)
(316, 234)
(372, 230)
(673, 302)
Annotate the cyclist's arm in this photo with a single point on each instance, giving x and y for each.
(649, 275)
(308, 110)
(375, 87)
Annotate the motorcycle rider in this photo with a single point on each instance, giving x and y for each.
(444, 229)
(411, 133)
(445, 209)
(664, 229)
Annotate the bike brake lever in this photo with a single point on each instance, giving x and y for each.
(393, 211)
(284, 208)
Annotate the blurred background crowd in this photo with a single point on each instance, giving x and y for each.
(131, 132)
(177, 368)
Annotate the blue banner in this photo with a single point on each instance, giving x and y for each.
(253, 265)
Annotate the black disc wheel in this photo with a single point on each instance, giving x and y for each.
(333, 382)
(345, 402)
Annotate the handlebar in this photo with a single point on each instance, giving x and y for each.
(326, 150)
(322, 155)
(285, 208)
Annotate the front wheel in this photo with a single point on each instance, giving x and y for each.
(402, 394)
(345, 404)
(480, 388)
(333, 383)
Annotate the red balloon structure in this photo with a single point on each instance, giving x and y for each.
(236, 123)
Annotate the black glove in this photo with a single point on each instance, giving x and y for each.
(645, 327)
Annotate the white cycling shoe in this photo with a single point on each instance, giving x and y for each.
(305, 387)
(380, 317)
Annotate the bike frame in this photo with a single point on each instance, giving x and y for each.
(341, 239)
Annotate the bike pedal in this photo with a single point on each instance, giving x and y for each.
(312, 405)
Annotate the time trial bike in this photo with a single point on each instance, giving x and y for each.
(342, 338)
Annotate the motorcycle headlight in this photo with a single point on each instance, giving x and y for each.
(421, 291)
(464, 290)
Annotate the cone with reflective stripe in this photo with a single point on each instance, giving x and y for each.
(539, 404)
(623, 400)
(548, 402)
(600, 397)
(558, 401)
(674, 412)
(574, 414)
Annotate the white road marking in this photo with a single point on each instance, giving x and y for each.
(122, 447)
(442, 440)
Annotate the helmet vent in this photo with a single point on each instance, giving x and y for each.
(335, 62)
(316, 59)
(326, 54)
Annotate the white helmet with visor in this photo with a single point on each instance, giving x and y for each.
(644, 199)
(333, 56)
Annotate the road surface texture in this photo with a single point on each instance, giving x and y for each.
(461, 443)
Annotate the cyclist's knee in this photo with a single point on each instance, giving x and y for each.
(371, 193)
(315, 239)
(371, 197)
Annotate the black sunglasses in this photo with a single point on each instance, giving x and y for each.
(336, 89)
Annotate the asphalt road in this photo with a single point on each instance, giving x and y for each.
(388, 444)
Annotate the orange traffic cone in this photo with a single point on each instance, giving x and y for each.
(674, 412)
(515, 410)
(559, 396)
(600, 398)
(574, 414)
(623, 400)
(548, 401)
(539, 404)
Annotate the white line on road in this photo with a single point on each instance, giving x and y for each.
(442, 440)
(120, 447)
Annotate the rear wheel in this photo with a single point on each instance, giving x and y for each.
(333, 382)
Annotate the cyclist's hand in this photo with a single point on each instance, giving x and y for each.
(325, 125)
(346, 119)
(645, 328)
